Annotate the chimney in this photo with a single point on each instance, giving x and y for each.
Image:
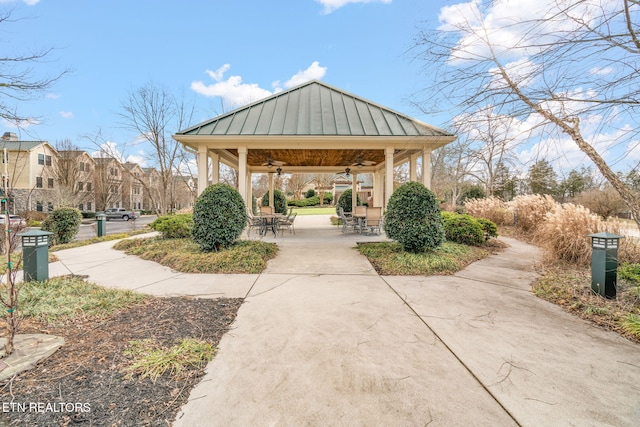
(10, 136)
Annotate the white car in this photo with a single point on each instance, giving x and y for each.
(14, 220)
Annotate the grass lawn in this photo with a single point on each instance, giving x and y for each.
(570, 287)
(316, 210)
(184, 255)
(388, 258)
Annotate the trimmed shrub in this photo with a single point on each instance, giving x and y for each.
(462, 228)
(219, 216)
(489, 228)
(345, 200)
(310, 193)
(64, 223)
(279, 200)
(413, 218)
(491, 208)
(173, 226)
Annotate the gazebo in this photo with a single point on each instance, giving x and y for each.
(313, 128)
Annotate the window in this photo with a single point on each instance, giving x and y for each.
(38, 182)
(80, 186)
(39, 206)
(5, 159)
(89, 187)
(113, 171)
(49, 206)
(50, 182)
(47, 160)
(41, 159)
(81, 207)
(5, 182)
(81, 166)
(89, 206)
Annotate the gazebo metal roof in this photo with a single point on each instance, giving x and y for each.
(314, 108)
(313, 125)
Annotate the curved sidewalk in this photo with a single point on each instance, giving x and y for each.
(321, 339)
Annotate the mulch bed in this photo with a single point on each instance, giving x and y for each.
(88, 371)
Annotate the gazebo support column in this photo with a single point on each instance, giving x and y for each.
(378, 189)
(215, 168)
(413, 167)
(203, 169)
(388, 178)
(426, 167)
(271, 196)
(242, 173)
(354, 192)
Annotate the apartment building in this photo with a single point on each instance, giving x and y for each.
(132, 186)
(40, 178)
(29, 173)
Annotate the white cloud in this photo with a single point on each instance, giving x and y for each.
(516, 28)
(53, 96)
(236, 93)
(66, 114)
(140, 160)
(597, 71)
(27, 2)
(19, 124)
(331, 5)
(314, 72)
(108, 149)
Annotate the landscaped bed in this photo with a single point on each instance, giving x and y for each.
(96, 367)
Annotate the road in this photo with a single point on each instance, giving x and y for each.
(89, 230)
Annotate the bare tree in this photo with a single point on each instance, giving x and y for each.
(322, 181)
(450, 167)
(153, 113)
(495, 138)
(19, 80)
(296, 184)
(570, 69)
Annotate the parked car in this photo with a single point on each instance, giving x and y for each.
(14, 220)
(119, 213)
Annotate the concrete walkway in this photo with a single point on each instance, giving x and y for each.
(321, 339)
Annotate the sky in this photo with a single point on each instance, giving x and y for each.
(222, 54)
(219, 54)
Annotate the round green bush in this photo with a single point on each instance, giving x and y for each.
(173, 226)
(344, 201)
(489, 227)
(413, 218)
(310, 193)
(279, 200)
(219, 216)
(64, 223)
(462, 228)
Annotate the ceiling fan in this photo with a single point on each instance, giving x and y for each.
(270, 163)
(360, 162)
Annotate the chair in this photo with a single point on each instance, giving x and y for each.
(360, 214)
(347, 220)
(254, 222)
(288, 223)
(373, 220)
(266, 210)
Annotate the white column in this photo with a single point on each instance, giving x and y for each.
(215, 168)
(203, 169)
(426, 167)
(354, 192)
(413, 169)
(242, 173)
(378, 188)
(388, 176)
(271, 198)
